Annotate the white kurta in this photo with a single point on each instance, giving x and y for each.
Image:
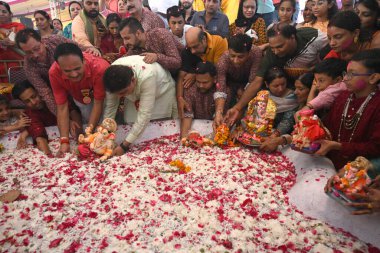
(155, 91)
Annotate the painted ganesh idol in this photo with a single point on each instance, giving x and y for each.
(258, 120)
(101, 143)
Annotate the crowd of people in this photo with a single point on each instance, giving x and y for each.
(136, 66)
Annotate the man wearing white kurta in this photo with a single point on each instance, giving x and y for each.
(149, 92)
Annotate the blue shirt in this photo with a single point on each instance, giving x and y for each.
(265, 6)
(218, 25)
(67, 32)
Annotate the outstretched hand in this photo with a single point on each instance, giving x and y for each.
(231, 116)
(370, 204)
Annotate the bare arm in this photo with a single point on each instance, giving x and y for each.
(185, 126)
(96, 113)
(250, 92)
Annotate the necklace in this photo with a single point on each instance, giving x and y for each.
(351, 124)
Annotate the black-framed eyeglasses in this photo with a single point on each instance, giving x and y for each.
(350, 75)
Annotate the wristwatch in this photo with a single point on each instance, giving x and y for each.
(124, 147)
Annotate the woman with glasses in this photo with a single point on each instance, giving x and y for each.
(354, 118)
(74, 9)
(112, 43)
(249, 22)
(8, 49)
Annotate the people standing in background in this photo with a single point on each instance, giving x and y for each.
(147, 18)
(323, 11)
(249, 22)
(267, 11)
(57, 24)
(44, 24)
(89, 27)
(8, 48)
(104, 7)
(74, 9)
(112, 43)
(211, 19)
(307, 13)
(347, 5)
(369, 13)
(122, 9)
(177, 24)
(286, 11)
(187, 5)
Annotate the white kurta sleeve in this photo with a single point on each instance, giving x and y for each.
(144, 112)
(111, 103)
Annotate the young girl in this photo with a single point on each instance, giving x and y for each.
(323, 10)
(285, 12)
(286, 103)
(354, 118)
(9, 120)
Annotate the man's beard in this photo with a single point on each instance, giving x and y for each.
(91, 14)
(186, 6)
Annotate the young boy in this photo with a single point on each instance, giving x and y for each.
(328, 76)
(199, 98)
(40, 117)
(10, 120)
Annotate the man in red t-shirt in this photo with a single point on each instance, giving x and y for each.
(39, 115)
(81, 76)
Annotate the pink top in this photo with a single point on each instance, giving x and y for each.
(92, 80)
(326, 98)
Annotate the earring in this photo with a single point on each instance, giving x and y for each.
(356, 39)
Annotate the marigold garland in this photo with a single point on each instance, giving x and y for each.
(182, 168)
(222, 134)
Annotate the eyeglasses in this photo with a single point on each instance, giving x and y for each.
(349, 75)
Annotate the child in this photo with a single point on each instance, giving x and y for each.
(286, 103)
(326, 74)
(354, 118)
(10, 120)
(323, 10)
(200, 97)
(285, 12)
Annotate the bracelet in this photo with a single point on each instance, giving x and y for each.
(310, 106)
(64, 140)
(124, 147)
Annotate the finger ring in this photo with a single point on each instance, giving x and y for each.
(369, 206)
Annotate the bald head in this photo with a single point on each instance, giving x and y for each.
(196, 41)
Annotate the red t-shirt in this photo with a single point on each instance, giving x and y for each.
(92, 81)
(39, 120)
